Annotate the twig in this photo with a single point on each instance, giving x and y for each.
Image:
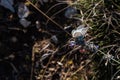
(48, 63)
(70, 4)
(14, 68)
(48, 17)
(66, 74)
(53, 7)
(57, 13)
(33, 59)
(113, 45)
(115, 74)
(70, 52)
(81, 67)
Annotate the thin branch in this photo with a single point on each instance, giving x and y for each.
(48, 17)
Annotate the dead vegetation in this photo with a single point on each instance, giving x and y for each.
(60, 40)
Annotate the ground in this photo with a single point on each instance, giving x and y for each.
(46, 49)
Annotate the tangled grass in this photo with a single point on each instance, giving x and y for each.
(103, 18)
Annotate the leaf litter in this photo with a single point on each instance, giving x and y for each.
(55, 55)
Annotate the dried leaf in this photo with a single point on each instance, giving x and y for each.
(92, 47)
(51, 69)
(72, 43)
(81, 30)
(23, 11)
(59, 63)
(45, 56)
(24, 22)
(7, 4)
(54, 39)
(70, 12)
(69, 62)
